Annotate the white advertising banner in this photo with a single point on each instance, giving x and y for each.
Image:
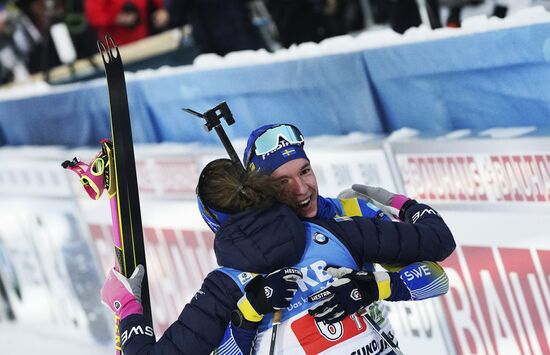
(495, 196)
(479, 173)
(48, 273)
(337, 170)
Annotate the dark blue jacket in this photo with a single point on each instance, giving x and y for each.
(264, 240)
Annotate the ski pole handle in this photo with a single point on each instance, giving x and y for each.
(213, 120)
(276, 320)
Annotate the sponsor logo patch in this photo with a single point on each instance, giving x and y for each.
(244, 277)
(319, 296)
(137, 330)
(320, 238)
(268, 291)
(282, 144)
(355, 295)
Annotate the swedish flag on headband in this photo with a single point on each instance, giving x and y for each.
(288, 152)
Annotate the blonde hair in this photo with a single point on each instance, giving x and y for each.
(225, 186)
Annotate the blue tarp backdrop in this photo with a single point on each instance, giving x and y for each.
(493, 79)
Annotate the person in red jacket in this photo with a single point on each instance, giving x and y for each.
(126, 20)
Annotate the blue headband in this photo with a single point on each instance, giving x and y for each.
(273, 145)
(213, 217)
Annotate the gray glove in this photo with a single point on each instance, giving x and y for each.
(383, 197)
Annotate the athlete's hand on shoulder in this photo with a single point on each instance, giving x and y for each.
(266, 294)
(123, 295)
(384, 197)
(350, 291)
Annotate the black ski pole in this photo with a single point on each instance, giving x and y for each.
(363, 313)
(275, 321)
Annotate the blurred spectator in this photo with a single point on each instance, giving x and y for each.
(340, 17)
(301, 21)
(83, 35)
(126, 20)
(12, 64)
(25, 44)
(405, 14)
(42, 14)
(432, 7)
(219, 26)
(380, 10)
(455, 8)
(500, 9)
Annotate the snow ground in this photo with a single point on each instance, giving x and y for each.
(18, 339)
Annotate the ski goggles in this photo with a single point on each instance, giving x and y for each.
(269, 140)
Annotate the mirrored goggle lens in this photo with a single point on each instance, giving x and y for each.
(269, 140)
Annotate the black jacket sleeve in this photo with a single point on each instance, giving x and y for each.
(199, 328)
(423, 237)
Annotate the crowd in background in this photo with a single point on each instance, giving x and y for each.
(218, 26)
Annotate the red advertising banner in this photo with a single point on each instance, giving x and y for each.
(498, 302)
(477, 178)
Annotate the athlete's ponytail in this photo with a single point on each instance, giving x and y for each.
(225, 187)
